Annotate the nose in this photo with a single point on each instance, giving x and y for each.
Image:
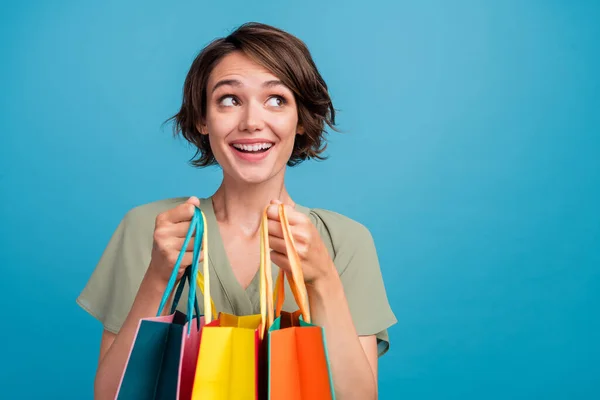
(252, 119)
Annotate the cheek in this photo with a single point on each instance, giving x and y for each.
(220, 124)
(285, 126)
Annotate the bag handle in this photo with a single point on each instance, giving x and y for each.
(173, 277)
(266, 277)
(296, 280)
(197, 226)
(193, 270)
(279, 293)
(203, 280)
(186, 277)
(194, 267)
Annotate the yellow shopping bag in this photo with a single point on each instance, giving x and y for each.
(231, 363)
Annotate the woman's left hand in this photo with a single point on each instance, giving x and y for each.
(314, 258)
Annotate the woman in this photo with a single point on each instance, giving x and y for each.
(254, 103)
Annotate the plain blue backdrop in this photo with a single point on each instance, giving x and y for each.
(471, 151)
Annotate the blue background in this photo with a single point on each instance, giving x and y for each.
(471, 150)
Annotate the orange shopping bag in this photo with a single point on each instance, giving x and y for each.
(298, 364)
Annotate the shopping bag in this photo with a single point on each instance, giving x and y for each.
(162, 358)
(298, 364)
(230, 361)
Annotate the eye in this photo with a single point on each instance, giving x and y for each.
(276, 101)
(228, 101)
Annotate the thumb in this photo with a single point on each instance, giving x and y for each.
(193, 200)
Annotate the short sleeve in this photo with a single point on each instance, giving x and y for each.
(354, 254)
(364, 287)
(109, 293)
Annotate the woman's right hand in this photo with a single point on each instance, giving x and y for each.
(170, 230)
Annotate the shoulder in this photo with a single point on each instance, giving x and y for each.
(337, 224)
(342, 235)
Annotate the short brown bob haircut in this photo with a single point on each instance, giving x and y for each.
(286, 57)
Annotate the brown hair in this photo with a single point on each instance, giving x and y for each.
(288, 58)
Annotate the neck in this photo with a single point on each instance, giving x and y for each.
(242, 205)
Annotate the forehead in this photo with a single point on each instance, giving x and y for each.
(238, 65)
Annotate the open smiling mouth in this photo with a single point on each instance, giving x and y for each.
(252, 148)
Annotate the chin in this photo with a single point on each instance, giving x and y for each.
(252, 176)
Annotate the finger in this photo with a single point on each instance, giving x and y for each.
(200, 259)
(276, 201)
(300, 235)
(295, 217)
(277, 244)
(273, 212)
(178, 230)
(275, 229)
(182, 213)
(178, 244)
(193, 200)
(186, 261)
(281, 261)
(188, 258)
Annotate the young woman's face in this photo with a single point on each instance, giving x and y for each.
(251, 119)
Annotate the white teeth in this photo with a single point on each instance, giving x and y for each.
(252, 147)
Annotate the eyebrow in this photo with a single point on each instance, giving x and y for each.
(236, 83)
(273, 83)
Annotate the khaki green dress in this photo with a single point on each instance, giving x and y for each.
(112, 287)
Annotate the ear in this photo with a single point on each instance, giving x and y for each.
(202, 128)
(300, 130)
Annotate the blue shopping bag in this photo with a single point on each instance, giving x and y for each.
(162, 359)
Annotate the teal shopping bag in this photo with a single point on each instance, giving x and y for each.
(162, 360)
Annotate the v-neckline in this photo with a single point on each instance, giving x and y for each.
(244, 301)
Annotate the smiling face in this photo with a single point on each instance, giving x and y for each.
(251, 120)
